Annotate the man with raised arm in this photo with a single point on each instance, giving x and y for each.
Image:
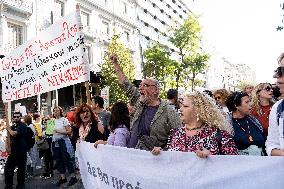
(153, 118)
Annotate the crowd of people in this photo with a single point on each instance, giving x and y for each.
(220, 122)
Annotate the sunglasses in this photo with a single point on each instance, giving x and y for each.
(16, 116)
(267, 88)
(217, 97)
(279, 72)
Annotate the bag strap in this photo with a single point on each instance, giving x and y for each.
(219, 139)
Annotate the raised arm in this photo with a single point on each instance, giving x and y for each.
(120, 74)
(131, 91)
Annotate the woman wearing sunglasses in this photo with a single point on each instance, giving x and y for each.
(221, 96)
(248, 132)
(262, 102)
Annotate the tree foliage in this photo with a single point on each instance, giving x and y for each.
(187, 37)
(195, 64)
(159, 65)
(187, 40)
(107, 69)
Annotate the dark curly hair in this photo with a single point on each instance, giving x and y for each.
(119, 116)
(78, 119)
(234, 100)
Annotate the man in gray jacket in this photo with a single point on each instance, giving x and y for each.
(153, 118)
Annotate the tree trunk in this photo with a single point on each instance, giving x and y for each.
(192, 81)
(179, 70)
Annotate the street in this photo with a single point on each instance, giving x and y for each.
(38, 183)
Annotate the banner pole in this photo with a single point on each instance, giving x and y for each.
(88, 94)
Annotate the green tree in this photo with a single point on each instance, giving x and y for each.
(159, 65)
(110, 78)
(187, 40)
(196, 64)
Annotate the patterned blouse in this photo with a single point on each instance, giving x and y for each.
(206, 138)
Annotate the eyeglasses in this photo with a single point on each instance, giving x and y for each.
(279, 72)
(217, 97)
(145, 85)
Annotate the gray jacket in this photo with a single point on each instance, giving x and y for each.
(164, 120)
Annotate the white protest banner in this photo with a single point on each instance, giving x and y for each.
(52, 60)
(123, 168)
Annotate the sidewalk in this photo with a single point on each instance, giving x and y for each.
(38, 183)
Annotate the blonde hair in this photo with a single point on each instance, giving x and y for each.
(247, 86)
(208, 112)
(255, 98)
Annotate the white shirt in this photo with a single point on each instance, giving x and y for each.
(275, 138)
(60, 125)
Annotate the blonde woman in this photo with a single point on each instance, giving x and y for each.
(248, 88)
(205, 130)
(262, 103)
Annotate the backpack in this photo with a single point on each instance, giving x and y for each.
(29, 135)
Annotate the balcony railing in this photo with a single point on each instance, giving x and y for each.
(25, 6)
(90, 32)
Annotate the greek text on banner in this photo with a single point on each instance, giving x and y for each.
(123, 168)
(52, 60)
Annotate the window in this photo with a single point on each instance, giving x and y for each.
(15, 35)
(58, 9)
(162, 10)
(174, 11)
(88, 53)
(145, 10)
(126, 36)
(155, 17)
(124, 8)
(153, 4)
(146, 24)
(85, 19)
(105, 27)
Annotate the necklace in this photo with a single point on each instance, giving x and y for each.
(247, 133)
(193, 129)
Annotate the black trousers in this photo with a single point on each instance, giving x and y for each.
(48, 159)
(13, 161)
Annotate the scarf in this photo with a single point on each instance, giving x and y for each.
(84, 131)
